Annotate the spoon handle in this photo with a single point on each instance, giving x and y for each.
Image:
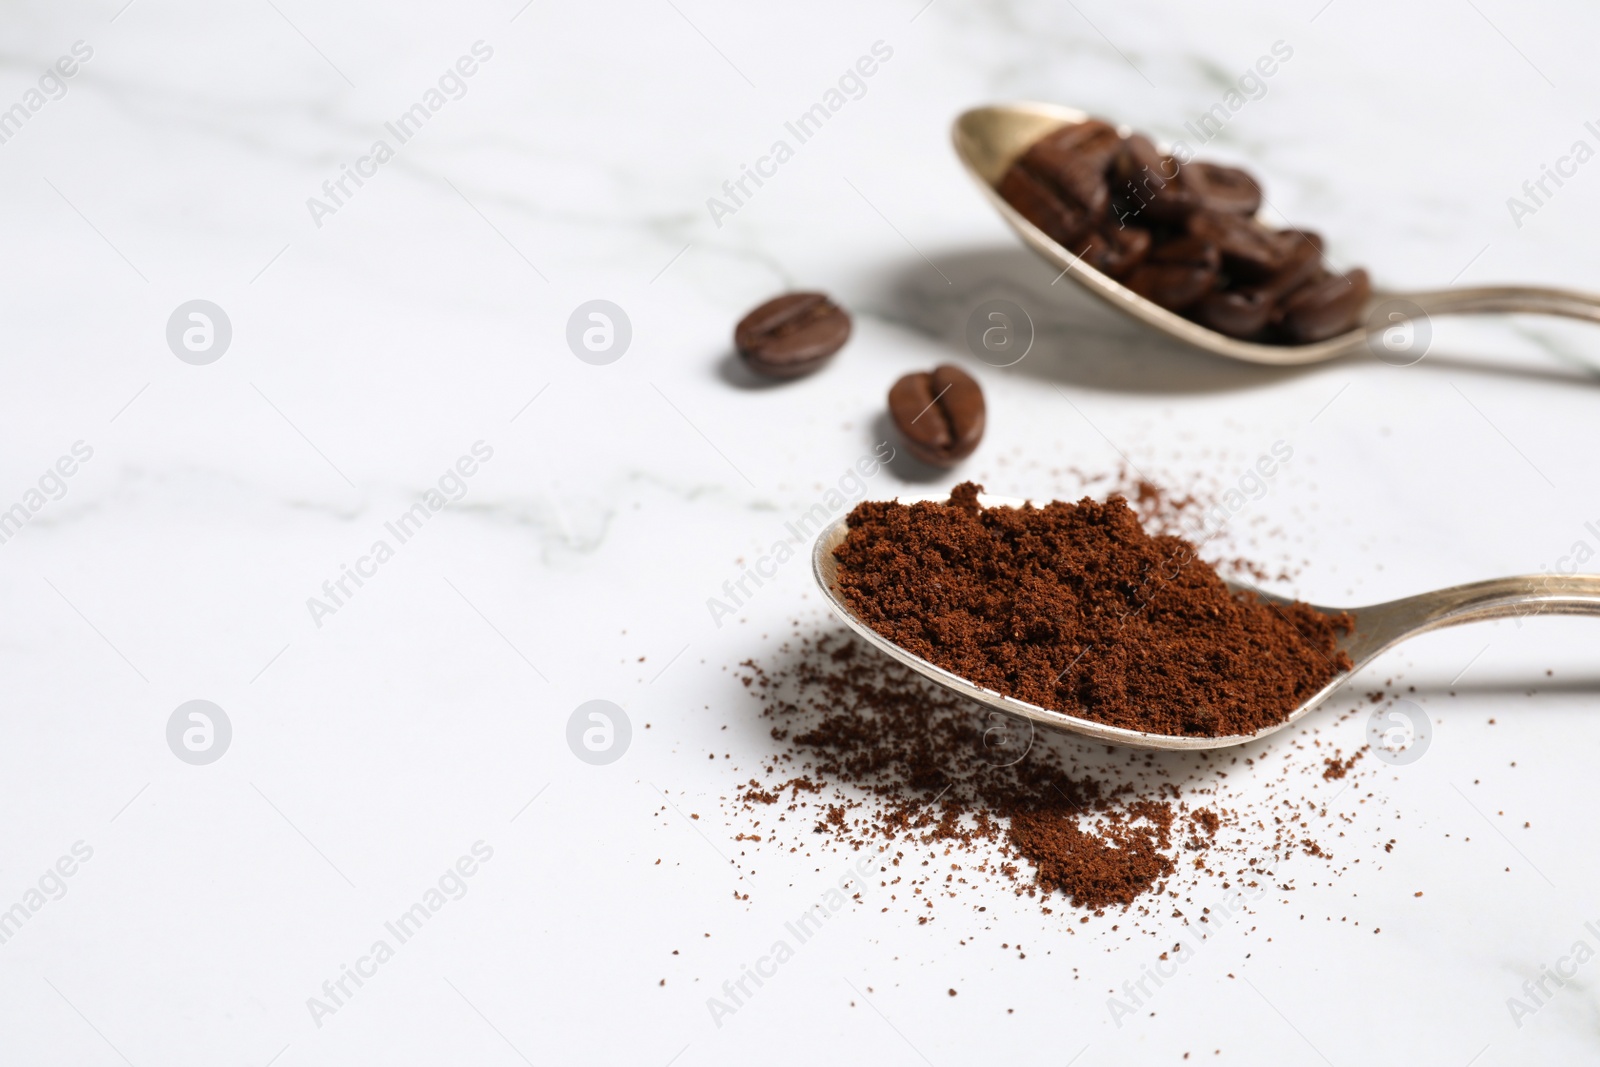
(1381, 625)
(1506, 299)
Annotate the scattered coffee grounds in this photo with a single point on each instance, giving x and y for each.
(876, 724)
(1076, 608)
(792, 335)
(940, 414)
(949, 798)
(1336, 767)
(1182, 235)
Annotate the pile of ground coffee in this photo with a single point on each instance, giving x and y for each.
(1075, 607)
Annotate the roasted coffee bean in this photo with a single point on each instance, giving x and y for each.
(1241, 313)
(1074, 159)
(1302, 262)
(1093, 141)
(940, 415)
(1146, 187)
(791, 335)
(1139, 162)
(1081, 191)
(1247, 312)
(1325, 308)
(1062, 221)
(1059, 183)
(1170, 201)
(1190, 251)
(1114, 250)
(1249, 250)
(1177, 274)
(1225, 189)
(1172, 286)
(1292, 241)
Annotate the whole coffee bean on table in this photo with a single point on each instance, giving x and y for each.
(940, 414)
(792, 335)
(1182, 235)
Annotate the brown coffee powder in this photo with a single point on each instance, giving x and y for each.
(870, 756)
(928, 770)
(1075, 607)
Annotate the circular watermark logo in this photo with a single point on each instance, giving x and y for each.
(199, 332)
(1399, 735)
(1006, 739)
(599, 332)
(1399, 332)
(198, 732)
(999, 332)
(598, 732)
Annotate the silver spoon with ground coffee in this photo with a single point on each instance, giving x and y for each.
(990, 139)
(1377, 628)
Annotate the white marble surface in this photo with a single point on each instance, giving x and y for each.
(372, 351)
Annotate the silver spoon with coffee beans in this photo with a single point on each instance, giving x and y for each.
(1179, 246)
(1377, 628)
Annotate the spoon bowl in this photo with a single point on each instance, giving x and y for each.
(989, 139)
(1378, 627)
